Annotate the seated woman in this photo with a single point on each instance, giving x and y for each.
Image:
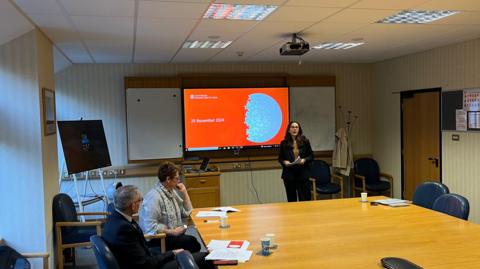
(164, 207)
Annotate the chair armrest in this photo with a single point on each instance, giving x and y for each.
(387, 176)
(155, 236)
(338, 178)
(44, 256)
(77, 224)
(160, 236)
(92, 213)
(362, 178)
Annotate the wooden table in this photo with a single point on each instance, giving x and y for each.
(345, 233)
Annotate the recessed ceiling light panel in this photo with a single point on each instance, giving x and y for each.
(418, 16)
(238, 12)
(338, 45)
(192, 44)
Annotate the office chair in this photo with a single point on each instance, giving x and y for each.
(322, 180)
(69, 231)
(103, 255)
(452, 204)
(368, 177)
(427, 192)
(185, 260)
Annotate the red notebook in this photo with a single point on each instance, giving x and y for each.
(235, 244)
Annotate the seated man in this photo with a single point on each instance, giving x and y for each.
(165, 206)
(126, 240)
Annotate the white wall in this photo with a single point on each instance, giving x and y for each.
(453, 67)
(25, 218)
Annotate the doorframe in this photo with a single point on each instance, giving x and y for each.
(405, 94)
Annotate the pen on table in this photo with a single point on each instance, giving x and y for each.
(210, 221)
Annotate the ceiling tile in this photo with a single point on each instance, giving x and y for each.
(326, 31)
(104, 27)
(194, 55)
(473, 5)
(75, 52)
(389, 4)
(156, 9)
(305, 14)
(321, 3)
(216, 26)
(360, 15)
(12, 23)
(36, 6)
(99, 7)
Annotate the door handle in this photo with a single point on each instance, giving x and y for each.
(434, 160)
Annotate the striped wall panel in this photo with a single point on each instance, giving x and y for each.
(452, 67)
(21, 179)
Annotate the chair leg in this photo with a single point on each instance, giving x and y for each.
(58, 234)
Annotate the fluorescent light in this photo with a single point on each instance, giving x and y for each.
(418, 16)
(238, 12)
(194, 44)
(338, 45)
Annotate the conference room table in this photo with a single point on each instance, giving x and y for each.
(346, 233)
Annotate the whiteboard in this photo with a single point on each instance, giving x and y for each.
(154, 123)
(314, 109)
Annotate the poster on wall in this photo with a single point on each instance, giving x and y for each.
(471, 99)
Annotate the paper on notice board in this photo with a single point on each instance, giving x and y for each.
(461, 120)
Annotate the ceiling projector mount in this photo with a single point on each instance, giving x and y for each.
(298, 46)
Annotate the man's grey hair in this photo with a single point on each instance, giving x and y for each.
(125, 196)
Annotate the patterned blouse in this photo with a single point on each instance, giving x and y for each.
(163, 209)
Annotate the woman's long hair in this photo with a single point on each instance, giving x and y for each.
(300, 137)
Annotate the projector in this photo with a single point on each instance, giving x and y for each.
(298, 46)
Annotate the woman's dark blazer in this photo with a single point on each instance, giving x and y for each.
(295, 171)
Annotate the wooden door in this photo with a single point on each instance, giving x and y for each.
(420, 139)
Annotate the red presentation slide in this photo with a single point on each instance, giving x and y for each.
(234, 117)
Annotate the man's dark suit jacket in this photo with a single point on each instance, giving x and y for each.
(127, 242)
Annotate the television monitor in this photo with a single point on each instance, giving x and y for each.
(84, 145)
(234, 118)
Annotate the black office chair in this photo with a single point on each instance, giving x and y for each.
(103, 255)
(69, 231)
(322, 180)
(427, 192)
(452, 204)
(185, 260)
(368, 177)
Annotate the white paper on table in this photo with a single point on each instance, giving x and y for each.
(217, 244)
(226, 209)
(230, 254)
(207, 214)
(390, 201)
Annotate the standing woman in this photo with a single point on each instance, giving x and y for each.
(295, 155)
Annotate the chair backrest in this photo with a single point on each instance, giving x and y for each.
(368, 168)
(453, 205)
(185, 260)
(10, 258)
(427, 192)
(105, 258)
(320, 171)
(64, 210)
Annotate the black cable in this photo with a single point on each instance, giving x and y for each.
(251, 180)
